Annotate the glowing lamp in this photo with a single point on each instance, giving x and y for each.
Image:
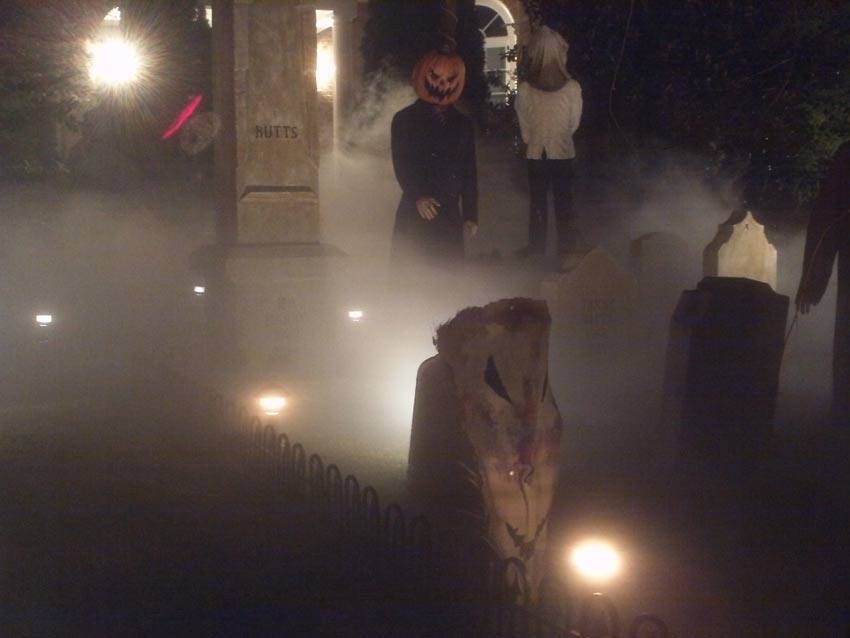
(596, 560)
(199, 290)
(325, 69)
(355, 315)
(44, 320)
(114, 62)
(272, 404)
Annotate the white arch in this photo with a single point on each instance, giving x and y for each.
(502, 42)
(500, 8)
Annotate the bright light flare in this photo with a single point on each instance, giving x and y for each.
(325, 68)
(355, 315)
(596, 560)
(272, 404)
(199, 291)
(44, 320)
(114, 62)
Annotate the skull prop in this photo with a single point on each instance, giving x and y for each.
(496, 359)
(438, 78)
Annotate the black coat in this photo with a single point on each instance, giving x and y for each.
(433, 156)
(828, 236)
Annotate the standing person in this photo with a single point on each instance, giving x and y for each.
(548, 104)
(828, 235)
(433, 152)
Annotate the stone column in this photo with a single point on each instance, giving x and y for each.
(269, 275)
(273, 120)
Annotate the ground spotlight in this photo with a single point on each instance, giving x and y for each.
(44, 320)
(596, 560)
(271, 403)
(199, 291)
(355, 315)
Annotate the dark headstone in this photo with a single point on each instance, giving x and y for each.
(723, 359)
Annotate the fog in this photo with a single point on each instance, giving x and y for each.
(114, 269)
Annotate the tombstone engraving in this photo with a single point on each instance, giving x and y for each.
(265, 57)
(592, 305)
(269, 275)
(741, 249)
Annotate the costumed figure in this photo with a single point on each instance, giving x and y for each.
(486, 437)
(548, 105)
(828, 235)
(433, 152)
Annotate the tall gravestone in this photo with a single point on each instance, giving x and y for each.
(726, 344)
(592, 305)
(268, 273)
(267, 157)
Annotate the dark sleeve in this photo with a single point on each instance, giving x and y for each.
(469, 196)
(831, 206)
(404, 152)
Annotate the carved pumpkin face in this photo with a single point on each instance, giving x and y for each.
(438, 78)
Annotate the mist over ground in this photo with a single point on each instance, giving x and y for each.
(114, 269)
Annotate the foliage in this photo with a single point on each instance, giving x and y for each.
(398, 32)
(44, 72)
(762, 90)
(42, 68)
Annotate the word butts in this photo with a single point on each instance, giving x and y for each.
(272, 131)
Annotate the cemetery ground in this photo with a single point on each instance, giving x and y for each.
(121, 517)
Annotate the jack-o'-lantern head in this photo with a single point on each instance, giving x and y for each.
(438, 77)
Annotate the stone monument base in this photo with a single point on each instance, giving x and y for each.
(269, 307)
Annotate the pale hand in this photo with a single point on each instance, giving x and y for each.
(427, 208)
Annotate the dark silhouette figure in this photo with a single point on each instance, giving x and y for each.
(433, 150)
(828, 235)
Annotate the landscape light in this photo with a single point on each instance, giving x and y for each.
(114, 62)
(355, 315)
(596, 560)
(272, 404)
(44, 320)
(199, 290)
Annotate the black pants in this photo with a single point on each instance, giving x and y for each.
(555, 175)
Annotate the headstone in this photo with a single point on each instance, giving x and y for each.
(269, 276)
(663, 266)
(660, 260)
(486, 433)
(741, 249)
(592, 305)
(277, 168)
(723, 359)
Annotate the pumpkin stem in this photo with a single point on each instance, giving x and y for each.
(448, 26)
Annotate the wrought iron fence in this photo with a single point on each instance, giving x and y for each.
(409, 556)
